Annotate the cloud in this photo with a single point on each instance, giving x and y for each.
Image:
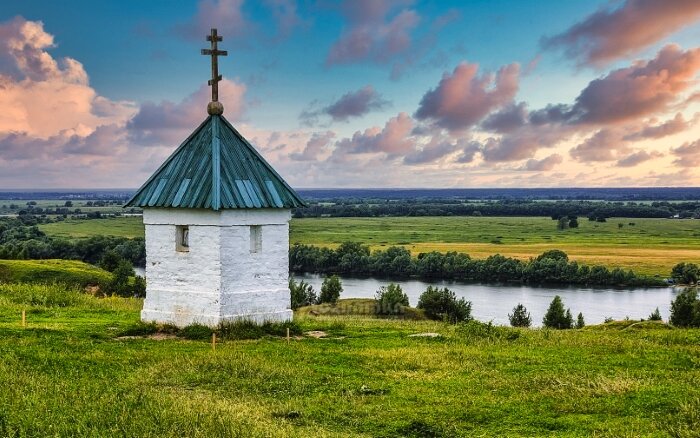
(286, 16)
(687, 155)
(545, 164)
(524, 142)
(469, 152)
(670, 127)
(433, 151)
(642, 89)
(42, 96)
(604, 145)
(462, 99)
(352, 104)
(393, 140)
(315, 147)
(373, 32)
(507, 119)
(615, 32)
(224, 15)
(168, 123)
(638, 158)
(228, 17)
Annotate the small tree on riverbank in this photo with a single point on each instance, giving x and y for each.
(331, 289)
(685, 309)
(391, 300)
(520, 317)
(301, 294)
(686, 273)
(655, 315)
(442, 304)
(580, 323)
(556, 317)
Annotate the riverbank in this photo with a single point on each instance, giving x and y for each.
(361, 377)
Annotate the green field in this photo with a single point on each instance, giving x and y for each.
(71, 372)
(131, 226)
(650, 246)
(65, 272)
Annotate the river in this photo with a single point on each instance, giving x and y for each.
(493, 302)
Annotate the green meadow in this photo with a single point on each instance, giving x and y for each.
(647, 246)
(81, 368)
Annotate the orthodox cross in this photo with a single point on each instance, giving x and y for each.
(214, 52)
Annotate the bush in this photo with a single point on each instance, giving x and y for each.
(556, 317)
(139, 287)
(655, 315)
(244, 329)
(580, 323)
(302, 294)
(331, 289)
(120, 282)
(686, 273)
(442, 304)
(390, 300)
(520, 317)
(685, 309)
(196, 332)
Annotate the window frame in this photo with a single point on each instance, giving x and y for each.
(182, 238)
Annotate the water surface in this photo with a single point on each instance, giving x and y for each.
(491, 302)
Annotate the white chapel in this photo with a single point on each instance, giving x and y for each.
(216, 216)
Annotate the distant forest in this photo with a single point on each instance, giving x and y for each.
(593, 203)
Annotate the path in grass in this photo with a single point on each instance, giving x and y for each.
(650, 246)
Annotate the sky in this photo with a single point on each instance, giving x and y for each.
(361, 94)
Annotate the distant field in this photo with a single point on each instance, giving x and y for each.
(120, 226)
(650, 246)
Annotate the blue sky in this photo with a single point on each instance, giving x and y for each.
(287, 58)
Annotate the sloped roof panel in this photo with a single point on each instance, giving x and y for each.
(216, 168)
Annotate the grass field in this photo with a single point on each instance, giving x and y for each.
(70, 373)
(650, 246)
(66, 272)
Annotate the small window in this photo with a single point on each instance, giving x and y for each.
(255, 238)
(182, 237)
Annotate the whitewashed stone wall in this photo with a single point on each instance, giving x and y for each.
(219, 278)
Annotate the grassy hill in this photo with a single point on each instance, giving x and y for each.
(72, 372)
(66, 272)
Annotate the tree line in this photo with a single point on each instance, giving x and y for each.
(20, 238)
(551, 267)
(590, 209)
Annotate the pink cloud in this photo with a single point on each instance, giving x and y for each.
(224, 15)
(646, 87)
(394, 139)
(638, 157)
(687, 155)
(317, 145)
(604, 145)
(545, 164)
(168, 123)
(669, 127)
(352, 104)
(371, 34)
(614, 32)
(462, 99)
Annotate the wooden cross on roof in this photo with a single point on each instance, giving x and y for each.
(214, 52)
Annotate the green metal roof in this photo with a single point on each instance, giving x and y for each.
(216, 168)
